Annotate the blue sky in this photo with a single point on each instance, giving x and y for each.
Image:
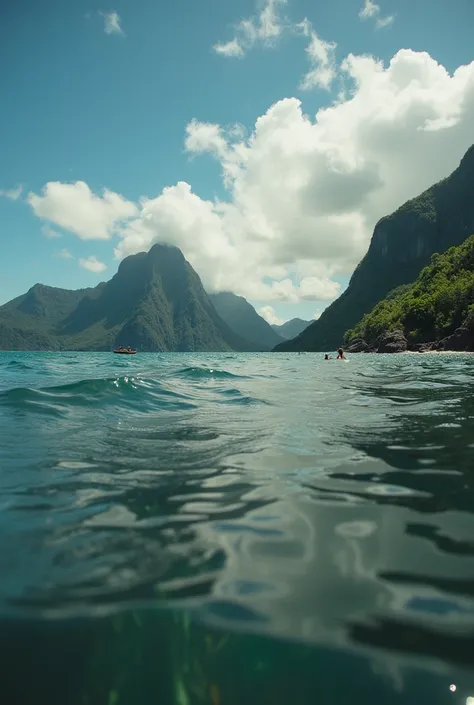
(111, 110)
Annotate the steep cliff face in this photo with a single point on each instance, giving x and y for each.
(436, 311)
(401, 245)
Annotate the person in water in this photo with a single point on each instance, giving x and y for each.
(340, 354)
(326, 357)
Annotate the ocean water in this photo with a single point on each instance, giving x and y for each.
(190, 529)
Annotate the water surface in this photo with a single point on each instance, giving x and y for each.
(194, 528)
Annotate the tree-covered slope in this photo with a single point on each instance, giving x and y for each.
(20, 332)
(244, 320)
(439, 301)
(401, 246)
(47, 303)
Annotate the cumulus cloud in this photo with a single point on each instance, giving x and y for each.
(13, 194)
(92, 264)
(321, 55)
(206, 137)
(303, 192)
(371, 10)
(270, 315)
(112, 23)
(264, 28)
(76, 208)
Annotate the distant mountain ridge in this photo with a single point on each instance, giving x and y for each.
(244, 320)
(155, 302)
(291, 328)
(401, 245)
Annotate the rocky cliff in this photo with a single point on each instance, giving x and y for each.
(401, 246)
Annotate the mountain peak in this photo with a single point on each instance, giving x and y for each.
(38, 288)
(164, 247)
(155, 302)
(164, 252)
(159, 254)
(467, 162)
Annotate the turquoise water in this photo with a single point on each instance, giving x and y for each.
(182, 529)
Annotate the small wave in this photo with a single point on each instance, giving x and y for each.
(188, 433)
(133, 392)
(244, 400)
(205, 373)
(18, 365)
(86, 389)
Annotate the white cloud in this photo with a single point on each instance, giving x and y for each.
(371, 10)
(92, 264)
(265, 28)
(270, 23)
(205, 137)
(64, 254)
(304, 193)
(13, 194)
(268, 27)
(232, 48)
(269, 314)
(316, 288)
(112, 23)
(382, 22)
(49, 232)
(322, 59)
(74, 207)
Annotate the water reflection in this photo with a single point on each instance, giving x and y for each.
(432, 562)
(218, 529)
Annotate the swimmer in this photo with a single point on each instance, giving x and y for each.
(326, 357)
(340, 354)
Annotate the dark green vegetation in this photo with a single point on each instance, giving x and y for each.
(155, 302)
(439, 301)
(402, 244)
(244, 320)
(291, 328)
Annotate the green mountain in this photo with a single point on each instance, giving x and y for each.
(291, 328)
(244, 320)
(435, 306)
(155, 302)
(29, 321)
(401, 246)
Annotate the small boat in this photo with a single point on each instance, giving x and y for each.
(125, 351)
